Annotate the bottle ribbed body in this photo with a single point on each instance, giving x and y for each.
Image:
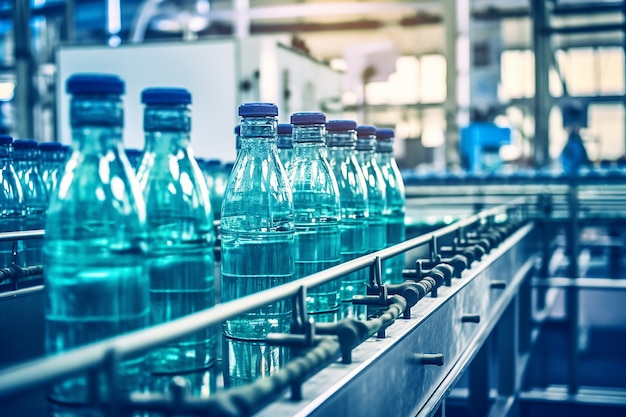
(376, 195)
(12, 207)
(96, 285)
(354, 208)
(26, 161)
(257, 228)
(180, 235)
(394, 188)
(317, 209)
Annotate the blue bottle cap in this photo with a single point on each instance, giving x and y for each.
(237, 130)
(308, 118)
(285, 129)
(365, 130)
(385, 133)
(258, 110)
(340, 125)
(94, 84)
(228, 166)
(24, 144)
(50, 146)
(5, 140)
(161, 95)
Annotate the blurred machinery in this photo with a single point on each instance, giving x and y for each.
(480, 146)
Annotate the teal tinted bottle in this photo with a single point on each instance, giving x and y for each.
(284, 142)
(180, 228)
(94, 248)
(394, 189)
(376, 189)
(51, 157)
(257, 246)
(341, 143)
(317, 211)
(12, 208)
(26, 161)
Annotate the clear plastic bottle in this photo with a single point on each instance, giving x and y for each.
(12, 207)
(180, 229)
(285, 144)
(317, 211)
(341, 143)
(376, 193)
(394, 189)
(257, 246)
(26, 159)
(51, 154)
(94, 249)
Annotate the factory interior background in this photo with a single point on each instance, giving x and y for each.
(483, 96)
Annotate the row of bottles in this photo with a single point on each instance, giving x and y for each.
(130, 246)
(296, 207)
(24, 197)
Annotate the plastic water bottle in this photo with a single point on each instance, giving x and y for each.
(12, 208)
(237, 132)
(317, 211)
(180, 228)
(341, 143)
(134, 158)
(394, 189)
(257, 246)
(26, 159)
(376, 192)
(285, 144)
(94, 249)
(51, 156)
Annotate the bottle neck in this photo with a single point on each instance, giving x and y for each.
(27, 158)
(309, 134)
(384, 157)
(6, 154)
(166, 128)
(366, 144)
(258, 132)
(97, 122)
(384, 146)
(284, 141)
(341, 140)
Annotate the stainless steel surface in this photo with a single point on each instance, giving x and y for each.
(380, 366)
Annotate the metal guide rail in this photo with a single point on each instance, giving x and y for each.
(466, 276)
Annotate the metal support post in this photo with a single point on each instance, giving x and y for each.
(457, 24)
(24, 91)
(543, 100)
(572, 291)
(507, 347)
(70, 18)
(525, 317)
(479, 383)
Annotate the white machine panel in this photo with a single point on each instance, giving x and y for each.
(207, 69)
